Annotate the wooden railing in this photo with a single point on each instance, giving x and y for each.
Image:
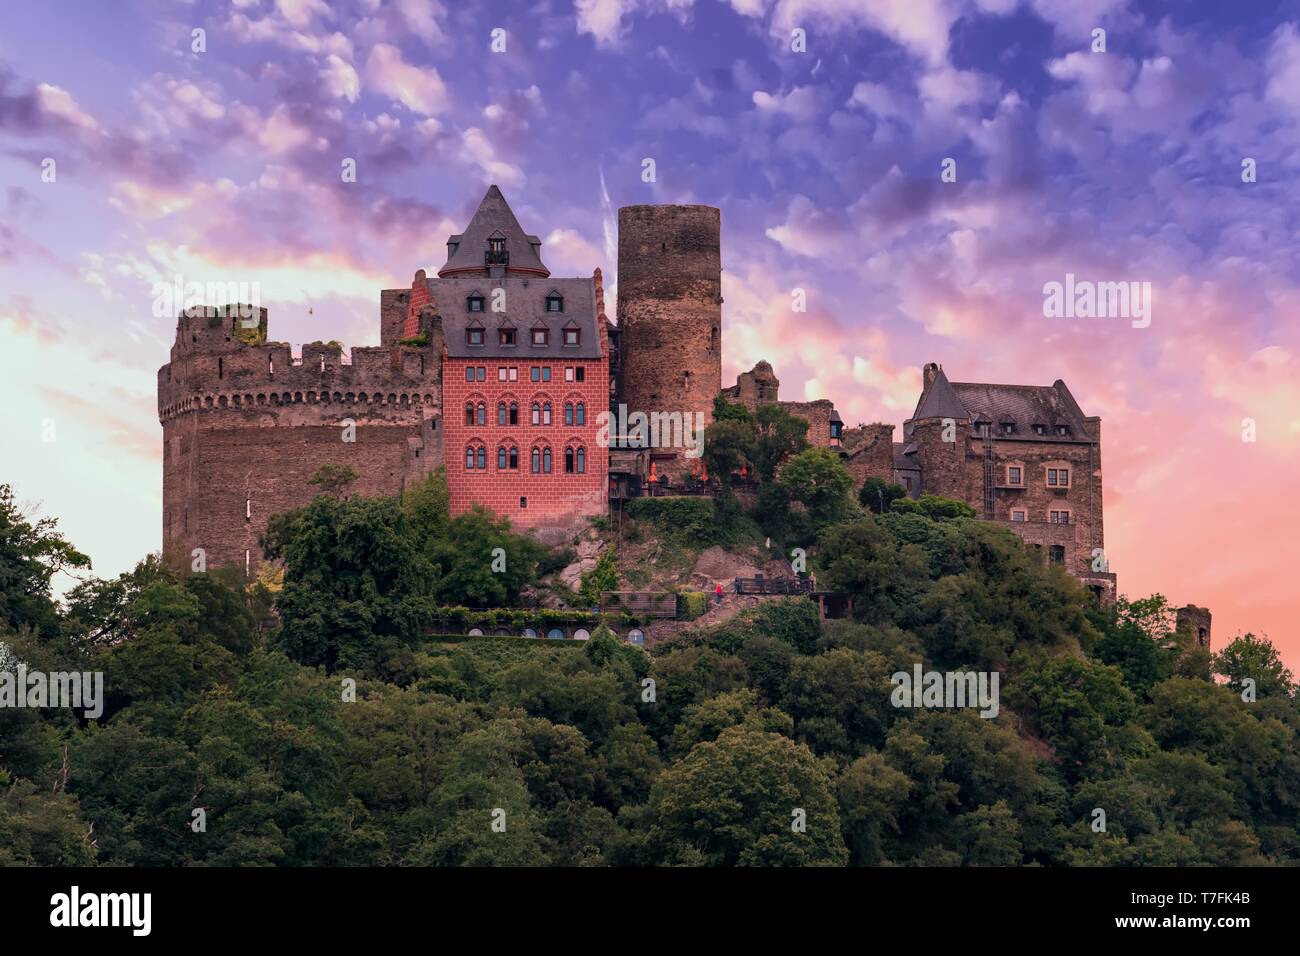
(661, 604)
(765, 585)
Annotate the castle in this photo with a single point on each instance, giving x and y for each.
(499, 371)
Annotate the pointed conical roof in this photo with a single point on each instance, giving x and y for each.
(940, 401)
(493, 220)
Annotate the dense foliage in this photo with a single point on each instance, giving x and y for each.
(342, 736)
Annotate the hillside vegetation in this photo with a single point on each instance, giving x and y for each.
(313, 720)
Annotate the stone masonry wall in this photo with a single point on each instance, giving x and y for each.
(245, 427)
(670, 311)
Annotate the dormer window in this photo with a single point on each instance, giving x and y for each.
(474, 335)
(1062, 430)
(1040, 429)
(474, 303)
(506, 336)
(555, 302)
(572, 336)
(496, 254)
(1008, 428)
(541, 336)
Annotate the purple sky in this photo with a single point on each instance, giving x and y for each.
(224, 166)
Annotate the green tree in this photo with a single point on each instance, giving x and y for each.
(781, 435)
(735, 801)
(31, 554)
(817, 478)
(1255, 658)
(879, 495)
(355, 583)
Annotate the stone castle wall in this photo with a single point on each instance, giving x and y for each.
(245, 427)
(670, 312)
(955, 469)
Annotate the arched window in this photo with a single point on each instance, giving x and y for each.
(582, 414)
(469, 457)
(514, 413)
(501, 458)
(582, 460)
(482, 458)
(469, 413)
(568, 460)
(537, 461)
(514, 459)
(546, 413)
(546, 461)
(537, 413)
(501, 413)
(482, 413)
(568, 413)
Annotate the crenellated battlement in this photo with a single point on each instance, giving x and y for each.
(221, 359)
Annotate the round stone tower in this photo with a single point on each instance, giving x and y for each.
(670, 314)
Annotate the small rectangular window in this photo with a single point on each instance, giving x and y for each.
(1013, 475)
(474, 303)
(506, 336)
(1051, 476)
(568, 374)
(540, 336)
(1017, 516)
(501, 374)
(546, 373)
(1064, 475)
(482, 373)
(475, 336)
(469, 373)
(554, 303)
(580, 373)
(514, 374)
(523, 502)
(535, 374)
(571, 336)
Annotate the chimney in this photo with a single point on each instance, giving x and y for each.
(928, 373)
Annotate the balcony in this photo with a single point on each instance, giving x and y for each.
(496, 257)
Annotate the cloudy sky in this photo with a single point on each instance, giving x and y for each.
(223, 164)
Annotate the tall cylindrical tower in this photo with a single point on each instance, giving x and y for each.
(670, 313)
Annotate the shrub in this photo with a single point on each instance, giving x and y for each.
(603, 577)
(683, 521)
(934, 507)
(691, 604)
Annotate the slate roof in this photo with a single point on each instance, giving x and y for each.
(1024, 406)
(493, 218)
(939, 400)
(904, 456)
(525, 310)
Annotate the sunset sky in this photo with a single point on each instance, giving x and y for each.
(224, 165)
